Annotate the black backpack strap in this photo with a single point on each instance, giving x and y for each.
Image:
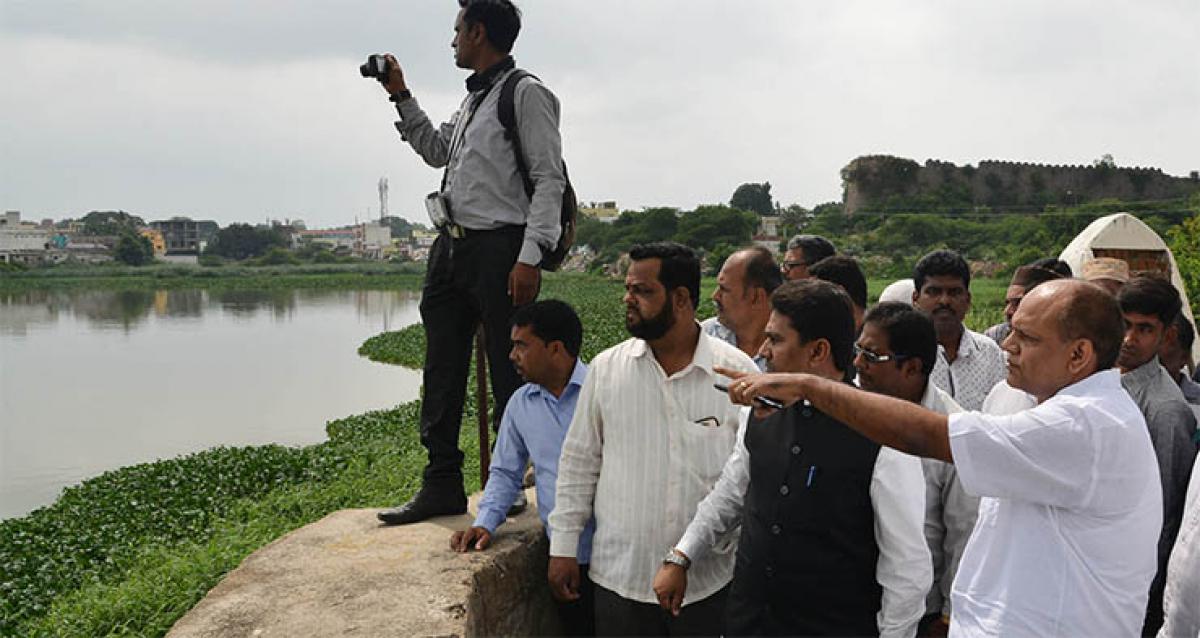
(508, 119)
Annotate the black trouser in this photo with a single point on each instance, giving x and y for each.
(466, 281)
(579, 616)
(617, 616)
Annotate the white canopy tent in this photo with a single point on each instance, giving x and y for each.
(1126, 237)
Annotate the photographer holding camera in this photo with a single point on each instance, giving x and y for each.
(494, 228)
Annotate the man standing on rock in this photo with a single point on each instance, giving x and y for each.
(546, 336)
(492, 234)
(648, 442)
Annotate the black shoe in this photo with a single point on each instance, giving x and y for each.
(519, 504)
(421, 507)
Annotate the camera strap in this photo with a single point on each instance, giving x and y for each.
(458, 138)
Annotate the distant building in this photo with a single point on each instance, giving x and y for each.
(606, 212)
(375, 240)
(184, 235)
(767, 235)
(22, 243)
(157, 241)
(333, 239)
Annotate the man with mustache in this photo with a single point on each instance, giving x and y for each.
(831, 523)
(648, 441)
(546, 336)
(969, 364)
(1071, 505)
(744, 287)
(1150, 305)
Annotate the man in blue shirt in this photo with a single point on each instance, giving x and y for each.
(546, 336)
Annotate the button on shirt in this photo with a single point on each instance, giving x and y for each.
(483, 185)
(642, 451)
(978, 367)
(534, 425)
(897, 495)
(1065, 544)
(1181, 601)
(714, 328)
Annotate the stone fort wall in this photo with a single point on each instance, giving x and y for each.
(878, 182)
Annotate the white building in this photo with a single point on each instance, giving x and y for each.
(22, 243)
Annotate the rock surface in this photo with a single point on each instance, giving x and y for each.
(348, 575)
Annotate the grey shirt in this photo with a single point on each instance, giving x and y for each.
(1171, 423)
(950, 512)
(483, 185)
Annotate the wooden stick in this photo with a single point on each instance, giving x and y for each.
(481, 401)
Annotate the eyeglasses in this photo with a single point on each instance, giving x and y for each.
(788, 265)
(875, 357)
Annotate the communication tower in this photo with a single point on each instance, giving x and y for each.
(383, 192)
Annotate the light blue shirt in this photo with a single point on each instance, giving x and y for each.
(713, 328)
(534, 425)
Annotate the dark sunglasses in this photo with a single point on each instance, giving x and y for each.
(875, 357)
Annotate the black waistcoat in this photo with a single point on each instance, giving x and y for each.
(807, 555)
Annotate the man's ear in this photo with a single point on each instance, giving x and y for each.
(1081, 356)
(680, 297)
(912, 367)
(820, 350)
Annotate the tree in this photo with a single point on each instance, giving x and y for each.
(133, 250)
(708, 226)
(110, 222)
(242, 241)
(755, 198)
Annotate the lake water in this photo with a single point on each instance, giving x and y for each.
(95, 380)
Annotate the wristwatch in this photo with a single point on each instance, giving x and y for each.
(674, 557)
(400, 96)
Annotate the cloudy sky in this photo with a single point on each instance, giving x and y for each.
(239, 111)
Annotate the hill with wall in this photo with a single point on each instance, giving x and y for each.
(884, 183)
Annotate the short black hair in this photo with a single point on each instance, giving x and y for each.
(818, 309)
(501, 20)
(1150, 295)
(680, 266)
(814, 247)
(761, 269)
(1053, 264)
(941, 263)
(1186, 333)
(910, 332)
(1092, 313)
(551, 320)
(845, 272)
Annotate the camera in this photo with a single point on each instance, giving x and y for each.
(375, 67)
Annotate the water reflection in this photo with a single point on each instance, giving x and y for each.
(95, 380)
(127, 309)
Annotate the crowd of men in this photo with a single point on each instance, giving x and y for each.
(921, 479)
(802, 463)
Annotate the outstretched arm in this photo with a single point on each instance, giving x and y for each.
(896, 423)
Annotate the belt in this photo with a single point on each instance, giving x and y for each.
(458, 231)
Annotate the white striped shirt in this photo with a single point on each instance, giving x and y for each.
(642, 451)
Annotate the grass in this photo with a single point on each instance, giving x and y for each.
(127, 553)
(372, 276)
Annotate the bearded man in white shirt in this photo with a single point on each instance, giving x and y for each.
(831, 541)
(648, 440)
(1071, 508)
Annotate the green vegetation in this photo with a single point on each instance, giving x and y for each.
(133, 249)
(243, 241)
(363, 275)
(128, 552)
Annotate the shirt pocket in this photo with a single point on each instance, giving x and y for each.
(706, 443)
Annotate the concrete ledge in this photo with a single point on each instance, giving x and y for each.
(347, 575)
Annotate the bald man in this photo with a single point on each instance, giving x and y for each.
(1071, 504)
